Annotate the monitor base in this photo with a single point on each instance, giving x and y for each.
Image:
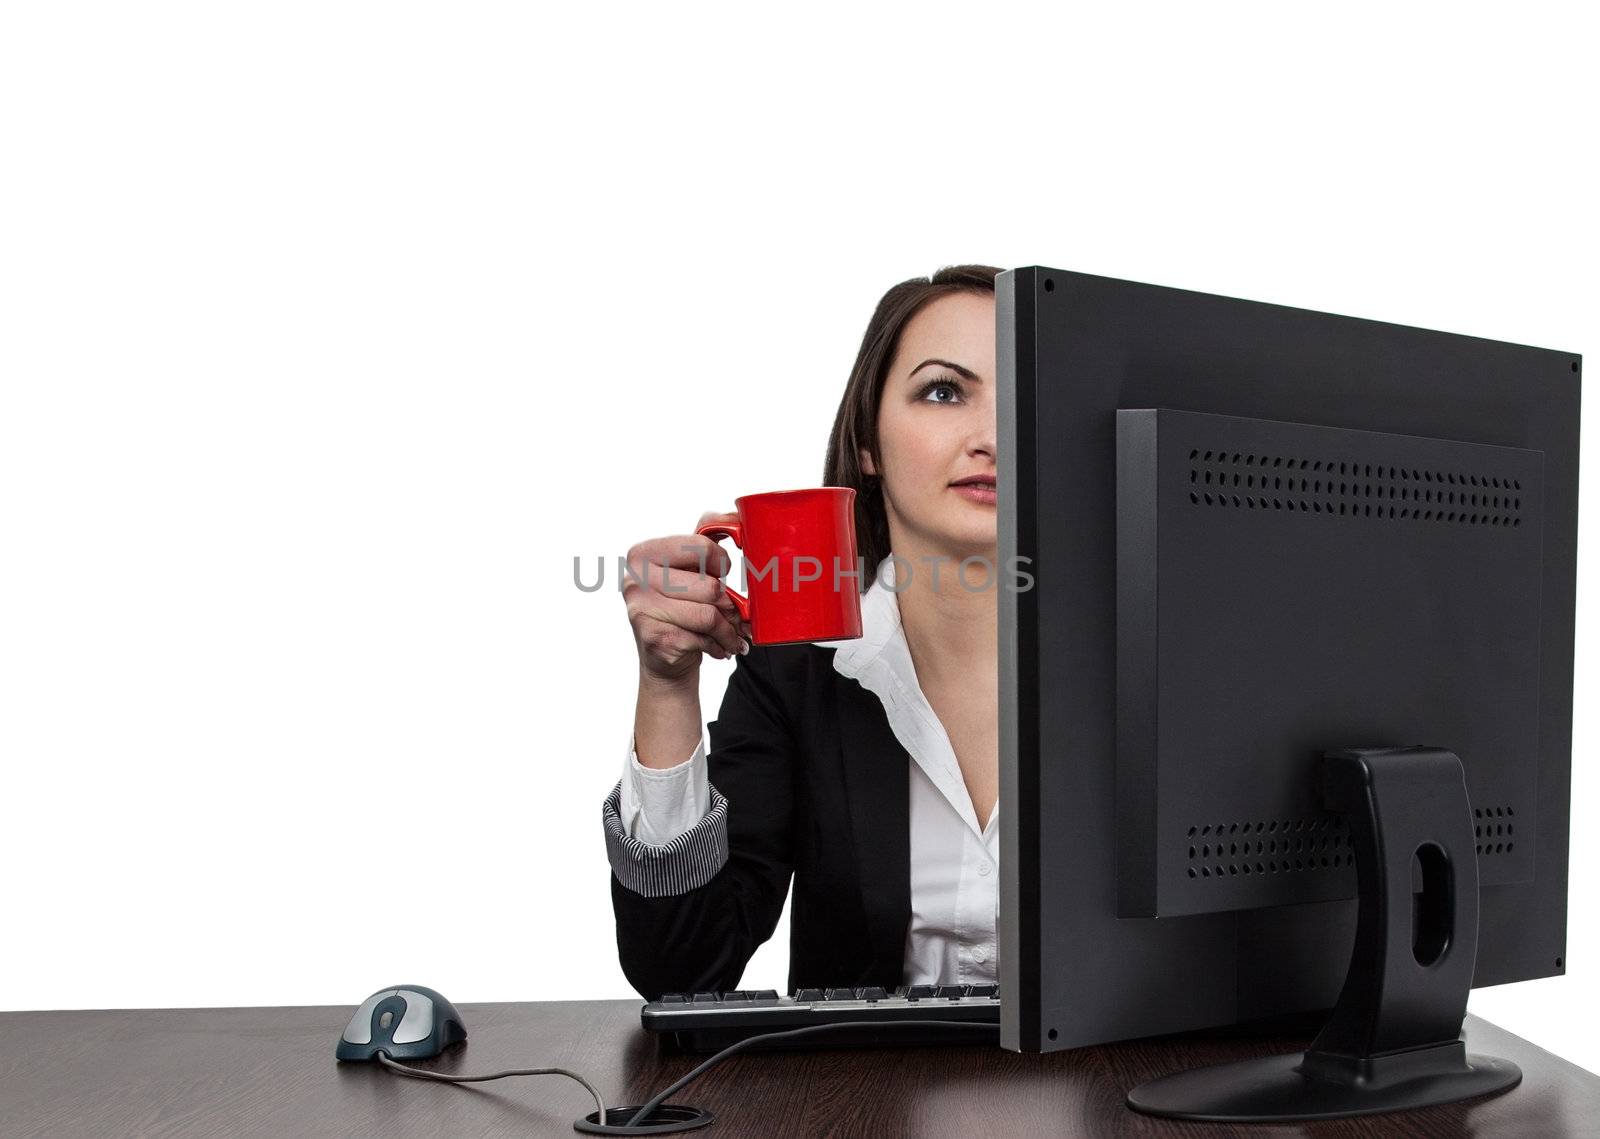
(1277, 1089)
(1393, 1040)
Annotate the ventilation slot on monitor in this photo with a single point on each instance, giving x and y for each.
(1494, 830)
(1275, 846)
(1338, 487)
(1314, 843)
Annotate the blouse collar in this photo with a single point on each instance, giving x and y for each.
(880, 661)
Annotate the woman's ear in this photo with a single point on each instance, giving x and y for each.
(867, 466)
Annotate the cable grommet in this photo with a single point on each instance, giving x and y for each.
(664, 1120)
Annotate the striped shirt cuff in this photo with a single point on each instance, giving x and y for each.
(685, 863)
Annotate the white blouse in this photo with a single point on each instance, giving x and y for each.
(955, 879)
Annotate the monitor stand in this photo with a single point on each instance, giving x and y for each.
(1393, 1041)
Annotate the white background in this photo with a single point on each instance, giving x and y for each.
(330, 333)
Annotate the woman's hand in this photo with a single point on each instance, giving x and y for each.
(677, 611)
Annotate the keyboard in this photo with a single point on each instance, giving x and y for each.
(709, 1022)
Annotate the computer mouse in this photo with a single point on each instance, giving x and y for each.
(409, 1022)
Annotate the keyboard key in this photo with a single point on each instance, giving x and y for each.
(765, 995)
(919, 992)
(985, 991)
(740, 997)
(841, 995)
(705, 998)
(871, 993)
(951, 991)
(673, 998)
(806, 995)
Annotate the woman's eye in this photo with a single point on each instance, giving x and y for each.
(941, 385)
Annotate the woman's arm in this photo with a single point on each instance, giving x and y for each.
(691, 913)
(661, 800)
(666, 718)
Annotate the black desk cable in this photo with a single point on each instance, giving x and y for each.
(656, 1115)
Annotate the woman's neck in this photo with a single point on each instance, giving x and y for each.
(951, 628)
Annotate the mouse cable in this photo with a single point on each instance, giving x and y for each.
(445, 1078)
(639, 1118)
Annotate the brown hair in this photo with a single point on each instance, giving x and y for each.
(855, 427)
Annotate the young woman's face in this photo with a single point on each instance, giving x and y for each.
(936, 426)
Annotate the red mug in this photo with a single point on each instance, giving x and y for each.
(801, 566)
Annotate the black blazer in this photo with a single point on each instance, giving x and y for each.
(816, 787)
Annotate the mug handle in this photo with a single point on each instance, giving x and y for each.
(716, 531)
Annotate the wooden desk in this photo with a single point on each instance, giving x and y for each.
(271, 1072)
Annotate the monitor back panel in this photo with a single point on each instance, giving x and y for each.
(1285, 586)
(1082, 960)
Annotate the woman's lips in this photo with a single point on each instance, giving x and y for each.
(976, 492)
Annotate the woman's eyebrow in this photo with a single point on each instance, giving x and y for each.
(964, 373)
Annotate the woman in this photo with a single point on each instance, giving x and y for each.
(866, 770)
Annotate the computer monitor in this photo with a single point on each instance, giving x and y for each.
(1302, 602)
